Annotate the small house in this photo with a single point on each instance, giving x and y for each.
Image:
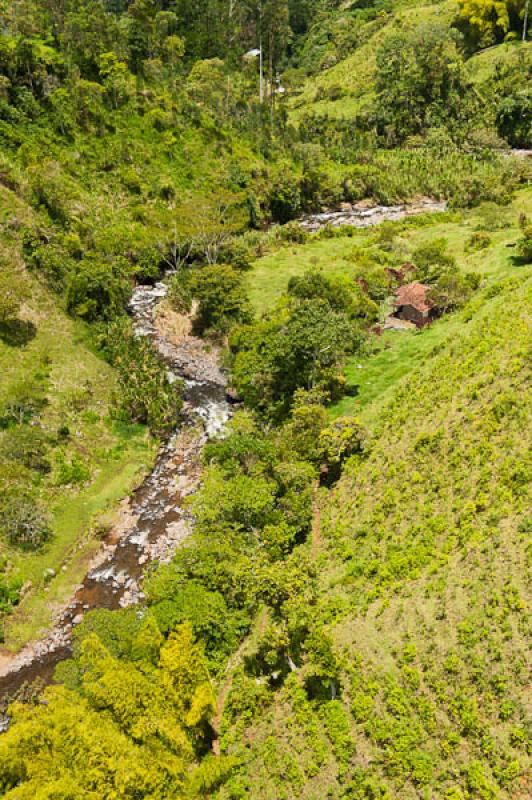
(412, 303)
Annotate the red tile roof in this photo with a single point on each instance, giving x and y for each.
(415, 295)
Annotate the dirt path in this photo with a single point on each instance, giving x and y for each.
(316, 540)
(234, 662)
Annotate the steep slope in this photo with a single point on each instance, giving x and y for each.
(423, 591)
(346, 87)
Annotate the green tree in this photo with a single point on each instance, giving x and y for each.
(421, 82)
(152, 33)
(340, 440)
(26, 445)
(88, 32)
(23, 521)
(98, 290)
(221, 297)
(514, 118)
(63, 109)
(116, 78)
(300, 346)
(524, 245)
(489, 21)
(432, 260)
(133, 729)
(301, 433)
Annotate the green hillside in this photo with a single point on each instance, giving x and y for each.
(352, 79)
(422, 589)
(347, 616)
(347, 87)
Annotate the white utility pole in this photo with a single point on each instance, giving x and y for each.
(261, 56)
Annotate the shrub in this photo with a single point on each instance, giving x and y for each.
(27, 446)
(71, 472)
(51, 260)
(524, 245)
(339, 732)
(292, 232)
(145, 393)
(478, 241)
(514, 118)
(343, 438)
(22, 520)
(301, 433)
(239, 253)
(221, 298)
(26, 400)
(284, 200)
(98, 290)
(452, 290)
(432, 260)
(52, 189)
(179, 292)
(148, 265)
(9, 596)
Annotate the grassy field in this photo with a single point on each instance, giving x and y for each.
(395, 355)
(482, 65)
(53, 358)
(269, 276)
(398, 352)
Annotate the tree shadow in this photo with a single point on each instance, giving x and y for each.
(519, 261)
(17, 332)
(352, 390)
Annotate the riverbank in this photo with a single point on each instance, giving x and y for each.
(154, 522)
(78, 529)
(85, 461)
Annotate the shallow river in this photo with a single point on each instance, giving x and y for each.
(154, 523)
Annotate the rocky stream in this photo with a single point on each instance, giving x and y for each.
(155, 521)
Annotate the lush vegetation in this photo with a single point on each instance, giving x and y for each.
(127, 727)
(419, 593)
(347, 619)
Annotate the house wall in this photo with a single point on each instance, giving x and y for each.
(413, 315)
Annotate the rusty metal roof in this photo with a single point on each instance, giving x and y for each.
(415, 295)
